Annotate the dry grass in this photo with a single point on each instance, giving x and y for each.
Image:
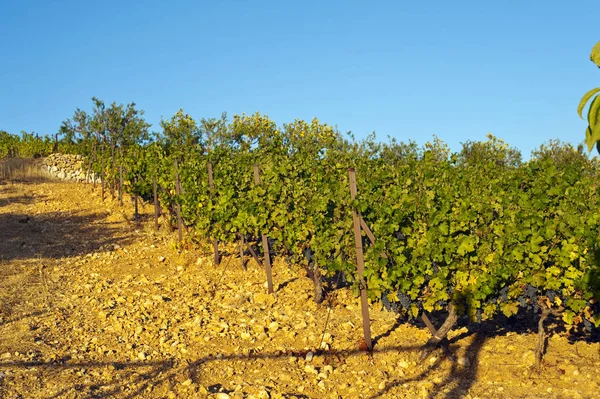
(22, 170)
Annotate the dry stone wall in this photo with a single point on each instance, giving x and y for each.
(67, 167)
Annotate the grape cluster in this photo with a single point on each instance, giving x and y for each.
(478, 315)
(309, 254)
(399, 236)
(341, 278)
(405, 300)
(504, 293)
(529, 291)
(386, 302)
(389, 306)
(528, 299)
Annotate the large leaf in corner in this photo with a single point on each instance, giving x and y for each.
(585, 99)
(592, 136)
(595, 56)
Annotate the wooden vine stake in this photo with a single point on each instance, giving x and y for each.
(360, 265)
(242, 252)
(178, 205)
(113, 180)
(121, 185)
(265, 242)
(102, 182)
(211, 186)
(136, 213)
(156, 207)
(88, 173)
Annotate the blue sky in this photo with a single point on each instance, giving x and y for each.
(409, 70)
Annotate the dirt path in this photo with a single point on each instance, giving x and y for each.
(93, 305)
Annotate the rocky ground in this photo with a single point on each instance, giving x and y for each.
(95, 305)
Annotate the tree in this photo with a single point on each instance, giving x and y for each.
(592, 132)
(493, 150)
(180, 134)
(9, 145)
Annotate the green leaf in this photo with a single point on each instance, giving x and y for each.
(517, 254)
(510, 308)
(592, 136)
(467, 245)
(414, 310)
(568, 316)
(586, 97)
(594, 111)
(444, 228)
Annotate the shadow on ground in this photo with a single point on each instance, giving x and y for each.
(166, 373)
(17, 195)
(57, 235)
